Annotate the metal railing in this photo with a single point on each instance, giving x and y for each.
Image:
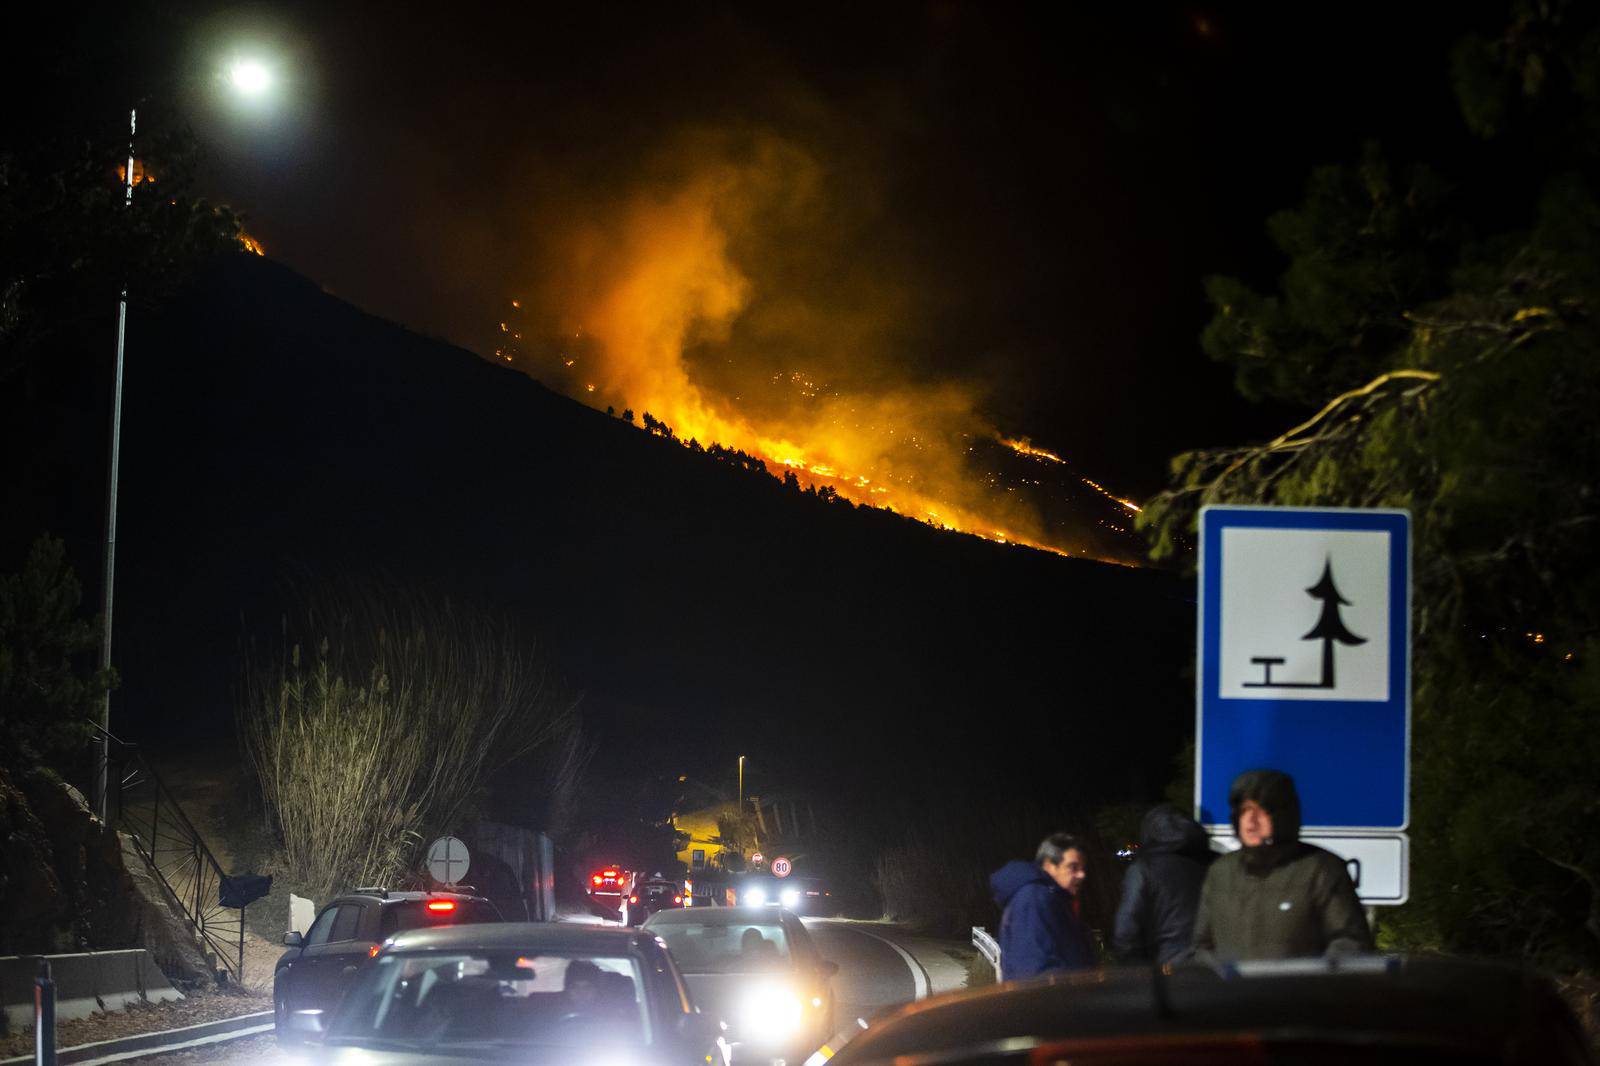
(141, 805)
(987, 947)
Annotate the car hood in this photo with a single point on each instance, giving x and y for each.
(718, 994)
(533, 1056)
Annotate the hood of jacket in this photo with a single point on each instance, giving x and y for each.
(1168, 831)
(1274, 790)
(1010, 878)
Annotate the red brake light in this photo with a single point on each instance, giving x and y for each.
(441, 906)
(677, 899)
(373, 950)
(633, 899)
(596, 879)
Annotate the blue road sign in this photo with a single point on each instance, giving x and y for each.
(1304, 660)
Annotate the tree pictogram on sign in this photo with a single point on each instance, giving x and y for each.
(1330, 629)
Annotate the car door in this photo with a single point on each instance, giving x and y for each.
(333, 962)
(300, 979)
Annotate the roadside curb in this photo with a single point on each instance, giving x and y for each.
(141, 1045)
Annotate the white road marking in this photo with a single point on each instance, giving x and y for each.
(919, 976)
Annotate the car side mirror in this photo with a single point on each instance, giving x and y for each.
(828, 968)
(293, 939)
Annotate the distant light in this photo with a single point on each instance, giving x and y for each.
(250, 77)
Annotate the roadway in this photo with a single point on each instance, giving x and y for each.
(874, 974)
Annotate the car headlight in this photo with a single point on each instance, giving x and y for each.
(755, 897)
(770, 1012)
(790, 897)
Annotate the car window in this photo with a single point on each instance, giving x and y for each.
(344, 926)
(735, 947)
(440, 1002)
(415, 914)
(318, 933)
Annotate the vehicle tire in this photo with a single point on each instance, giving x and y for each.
(280, 1019)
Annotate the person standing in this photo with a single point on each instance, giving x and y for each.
(1161, 890)
(1276, 897)
(1040, 931)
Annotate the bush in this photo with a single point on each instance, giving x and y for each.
(386, 732)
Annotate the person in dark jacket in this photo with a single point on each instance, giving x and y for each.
(1161, 890)
(1040, 931)
(1277, 897)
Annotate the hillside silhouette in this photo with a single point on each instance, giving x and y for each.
(275, 436)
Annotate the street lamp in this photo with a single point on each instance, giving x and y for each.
(249, 78)
(741, 786)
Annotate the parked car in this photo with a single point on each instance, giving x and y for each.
(313, 974)
(757, 970)
(520, 992)
(1370, 1010)
(647, 895)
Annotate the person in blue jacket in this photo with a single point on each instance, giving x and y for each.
(1040, 931)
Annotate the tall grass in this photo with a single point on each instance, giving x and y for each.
(384, 731)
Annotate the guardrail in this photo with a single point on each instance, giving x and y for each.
(988, 947)
(144, 808)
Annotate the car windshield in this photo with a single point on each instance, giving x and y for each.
(441, 1001)
(415, 914)
(726, 947)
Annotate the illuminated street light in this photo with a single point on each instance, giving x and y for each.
(248, 78)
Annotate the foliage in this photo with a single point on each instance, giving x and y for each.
(49, 689)
(388, 730)
(1456, 376)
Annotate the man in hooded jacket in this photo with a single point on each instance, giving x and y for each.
(1040, 931)
(1161, 890)
(1276, 897)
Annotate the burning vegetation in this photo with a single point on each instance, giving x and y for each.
(704, 301)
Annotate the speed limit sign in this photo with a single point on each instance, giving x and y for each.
(780, 866)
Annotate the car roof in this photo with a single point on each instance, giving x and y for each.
(1481, 1007)
(406, 897)
(721, 916)
(524, 936)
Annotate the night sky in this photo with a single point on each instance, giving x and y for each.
(984, 218)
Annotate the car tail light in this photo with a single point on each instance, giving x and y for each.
(596, 879)
(677, 899)
(441, 906)
(373, 950)
(633, 899)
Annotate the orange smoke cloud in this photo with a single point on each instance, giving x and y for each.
(711, 297)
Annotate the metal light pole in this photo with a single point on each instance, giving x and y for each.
(741, 786)
(108, 584)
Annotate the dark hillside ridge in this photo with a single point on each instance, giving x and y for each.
(273, 432)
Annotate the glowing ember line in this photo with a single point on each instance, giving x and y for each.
(1024, 446)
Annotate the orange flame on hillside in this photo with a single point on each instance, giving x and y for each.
(657, 306)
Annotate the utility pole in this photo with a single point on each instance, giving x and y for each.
(102, 742)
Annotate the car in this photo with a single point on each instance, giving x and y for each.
(1375, 1010)
(647, 895)
(524, 992)
(757, 969)
(763, 890)
(311, 976)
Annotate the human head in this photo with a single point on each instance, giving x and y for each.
(751, 940)
(1266, 808)
(1062, 858)
(582, 982)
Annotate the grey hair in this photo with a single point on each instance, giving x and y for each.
(1054, 846)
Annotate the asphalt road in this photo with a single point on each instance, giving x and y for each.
(873, 976)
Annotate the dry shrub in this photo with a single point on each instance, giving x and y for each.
(385, 732)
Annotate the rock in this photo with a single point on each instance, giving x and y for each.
(35, 910)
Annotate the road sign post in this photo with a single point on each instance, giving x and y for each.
(1304, 666)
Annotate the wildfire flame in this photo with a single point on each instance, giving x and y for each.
(657, 299)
